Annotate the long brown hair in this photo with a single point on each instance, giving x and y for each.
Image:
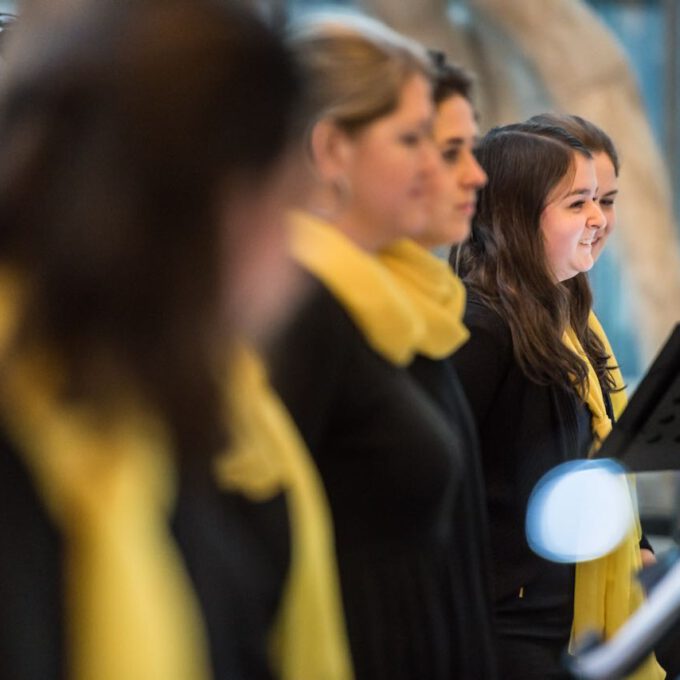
(596, 140)
(504, 262)
(593, 137)
(123, 125)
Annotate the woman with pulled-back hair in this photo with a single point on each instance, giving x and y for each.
(538, 380)
(439, 296)
(143, 179)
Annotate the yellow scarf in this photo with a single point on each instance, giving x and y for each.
(606, 591)
(434, 291)
(268, 454)
(130, 609)
(367, 290)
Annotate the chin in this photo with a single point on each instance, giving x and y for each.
(597, 251)
(457, 234)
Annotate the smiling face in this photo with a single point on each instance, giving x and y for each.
(608, 187)
(457, 177)
(387, 166)
(572, 221)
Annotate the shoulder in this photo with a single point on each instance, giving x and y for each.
(486, 323)
(317, 315)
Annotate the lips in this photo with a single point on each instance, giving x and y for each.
(467, 208)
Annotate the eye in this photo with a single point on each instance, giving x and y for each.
(410, 139)
(607, 202)
(451, 154)
(576, 205)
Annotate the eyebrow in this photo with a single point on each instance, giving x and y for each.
(579, 192)
(611, 193)
(461, 139)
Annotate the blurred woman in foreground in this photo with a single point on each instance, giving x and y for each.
(142, 178)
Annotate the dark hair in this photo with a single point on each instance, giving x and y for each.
(594, 138)
(449, 80)
(505, 261)
(123, 124)
(6, 21)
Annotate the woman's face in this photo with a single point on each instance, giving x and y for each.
(387, 166)
(572, 221)
(458, 176)
(608, 187)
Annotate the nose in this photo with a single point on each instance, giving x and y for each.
(430, 158)
(474, 177)
(596, 218)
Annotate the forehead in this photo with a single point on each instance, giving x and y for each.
(415, 99)
(604, 168)
(455, 118)
(414, 110)
(580, 175)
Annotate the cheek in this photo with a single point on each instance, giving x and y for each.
(561, 240)
(393, 166)
(447, 184)
(610, 216)
(384, 182)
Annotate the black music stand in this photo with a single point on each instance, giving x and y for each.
(647, 436)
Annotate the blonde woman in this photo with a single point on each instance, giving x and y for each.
(125, 201)
(381, 445)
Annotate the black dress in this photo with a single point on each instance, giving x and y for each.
(235, 561)
(525, 429)
(471, 530)
(391, 475)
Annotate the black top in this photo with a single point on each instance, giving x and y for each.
(390, 472)
(471, 551)
(236, 565)
(525, 430)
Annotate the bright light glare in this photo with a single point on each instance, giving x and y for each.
(580, 510)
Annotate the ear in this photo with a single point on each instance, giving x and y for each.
(332, 150)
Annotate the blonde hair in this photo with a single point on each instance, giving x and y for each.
(354, 66)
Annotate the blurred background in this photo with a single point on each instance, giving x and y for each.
(616, 62)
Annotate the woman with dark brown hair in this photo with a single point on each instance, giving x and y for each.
(537, 378)
(439, 296)
(142, 173)
(605, 158)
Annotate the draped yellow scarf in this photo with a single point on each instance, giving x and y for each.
(366, 289)
(434, 291)
(109, 487)
(606, 590)
(268, 454)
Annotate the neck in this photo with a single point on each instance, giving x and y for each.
(350, 224)
(430, 244)
(364, 238)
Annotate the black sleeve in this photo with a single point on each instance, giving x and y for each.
(483, 361)
(645, 544)
(305, 365)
